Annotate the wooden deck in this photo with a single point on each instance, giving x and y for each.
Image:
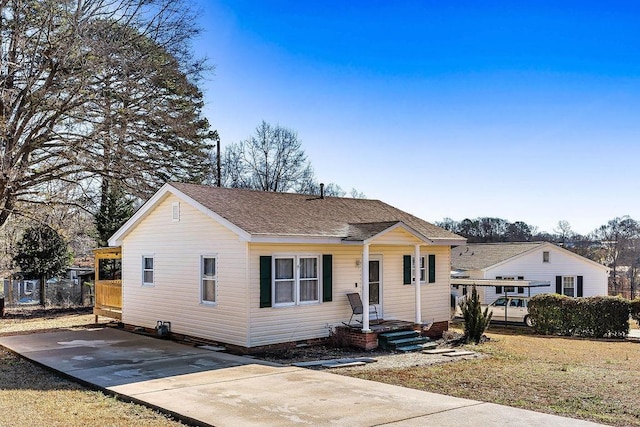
(108, 285)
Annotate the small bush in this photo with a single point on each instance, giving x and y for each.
(475, 320)
(595, 317)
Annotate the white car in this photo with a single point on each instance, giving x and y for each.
(515, 308)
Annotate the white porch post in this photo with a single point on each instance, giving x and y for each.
(365, 288)
(417, 284)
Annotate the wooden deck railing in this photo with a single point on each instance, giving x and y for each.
(109, 294)
(108, 286)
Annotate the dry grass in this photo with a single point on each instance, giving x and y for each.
(595, 380)
(589, 379)
(30, 395)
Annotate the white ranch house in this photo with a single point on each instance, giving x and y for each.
(251, 269)
(526, 269)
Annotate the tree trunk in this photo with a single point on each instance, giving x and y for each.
(43, 287)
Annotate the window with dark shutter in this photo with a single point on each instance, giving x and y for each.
(406, 269)
(327, 278)
(432, 268)
(265, 281)
(559, 285)
(580, 286)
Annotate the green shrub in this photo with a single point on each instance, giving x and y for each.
(475, 320)
(635, 310)
(595, 317)
(546, 310)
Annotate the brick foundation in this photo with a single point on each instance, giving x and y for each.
(357, 338)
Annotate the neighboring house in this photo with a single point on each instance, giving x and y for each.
(540, 267)
(253, 268)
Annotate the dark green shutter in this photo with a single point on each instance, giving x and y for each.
(432, 268)
(580, 287)
(406, 269)
(265, 281)
(559, 285)
(327, 278)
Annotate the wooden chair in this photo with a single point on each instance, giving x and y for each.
(357, 308)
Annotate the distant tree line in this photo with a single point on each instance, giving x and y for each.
(615, 244)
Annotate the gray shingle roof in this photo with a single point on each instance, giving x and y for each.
(476, 256)
(286, 214)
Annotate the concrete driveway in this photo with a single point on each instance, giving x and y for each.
(211, 388)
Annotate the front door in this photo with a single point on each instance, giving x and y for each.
(375, 287)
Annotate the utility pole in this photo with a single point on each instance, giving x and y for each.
(216, 138)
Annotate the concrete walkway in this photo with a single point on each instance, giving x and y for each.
(211, 388)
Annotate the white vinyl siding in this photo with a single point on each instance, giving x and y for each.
(177, 292)
(530, 267)
(237, 318)
(270, 325)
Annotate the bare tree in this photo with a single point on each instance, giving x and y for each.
(97, 88)
(564, 231)
(615, 238)
(270, 160)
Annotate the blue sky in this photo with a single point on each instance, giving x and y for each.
(526, 111)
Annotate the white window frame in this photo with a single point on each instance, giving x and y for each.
(214, 278)
(296, 279)
(152, 269)
(546, 257)
(423, 269)
(573, 285)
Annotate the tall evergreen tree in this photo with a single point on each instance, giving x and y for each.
(42, 253)
(115, 209)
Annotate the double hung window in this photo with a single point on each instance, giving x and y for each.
(296, 280)
(568, 286)
(423, 270)
(209, 279)
(147, 270)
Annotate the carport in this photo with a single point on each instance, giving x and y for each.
(504, 284)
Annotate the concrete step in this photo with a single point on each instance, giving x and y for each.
(428, 346)
(407, 341)
(385, 339)
(398, 334)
